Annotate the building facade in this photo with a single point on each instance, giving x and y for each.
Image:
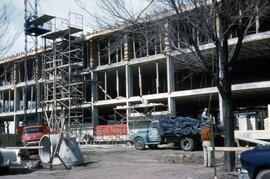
(127, 76)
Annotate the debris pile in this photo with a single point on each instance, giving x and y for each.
(179, 126)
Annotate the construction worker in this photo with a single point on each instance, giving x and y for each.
(204, 117)
(206, 142)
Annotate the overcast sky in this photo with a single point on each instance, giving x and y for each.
(59, 8)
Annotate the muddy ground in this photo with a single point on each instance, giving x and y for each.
(125, 162)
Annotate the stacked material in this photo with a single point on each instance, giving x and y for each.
(179, 126)
(267, 124)
(113, 129)
(247, 121)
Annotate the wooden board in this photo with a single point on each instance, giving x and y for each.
(252, 134)
(28, 148)
(229, 149)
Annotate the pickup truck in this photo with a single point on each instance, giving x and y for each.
(181, 131)
(31, 135)
(255, 163)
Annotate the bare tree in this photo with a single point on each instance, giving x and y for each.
(3, 27)
(215, 22)
(7, 37)
(190, 24)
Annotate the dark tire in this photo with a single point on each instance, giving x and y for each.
(4, 170)
(139, 143)
(264, 174)
(187, 144)
(153, 146)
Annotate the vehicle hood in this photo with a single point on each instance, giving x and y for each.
(251, 160)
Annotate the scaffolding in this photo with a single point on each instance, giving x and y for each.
(63, 82)
(34, 27)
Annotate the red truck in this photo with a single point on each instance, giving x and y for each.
(31, 135)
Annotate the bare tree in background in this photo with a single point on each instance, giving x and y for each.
(3, 28)
(190, 23)
(7, 35)
(204, 21)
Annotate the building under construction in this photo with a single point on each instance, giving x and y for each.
(116, 77)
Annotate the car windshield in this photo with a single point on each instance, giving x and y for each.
(32, 130)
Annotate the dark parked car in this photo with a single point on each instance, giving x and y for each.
(256, 162)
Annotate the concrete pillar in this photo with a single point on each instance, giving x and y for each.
(268, 110)
(92, 57)
(94, 109)
(172, 106)
(157, 78)
(140, 80)
(16, 100)
(117, 83)
(126, 48)
(169, 69)
(170, 85)
(170, 74)
(128, 123)
(167, 44)
(129, 81)
(16, 108)
(105, 86)
(257, 20)
(38, 102)
(109, 51)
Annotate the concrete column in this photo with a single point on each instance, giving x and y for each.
(16, 100)
(92, 57)
(170, 85)
(170, 74)
(129, 81)
(109, 51)
(117, 82)
(157, 78)
(4, 104)
(172, 106)
(38, 105)
(167, 44)
(133, 47)
(16, 106)
(117, 55)
(126, 48)
(105, 85)
(257, 20)
(94, 114)
(99, 58)
(140, 80)
(128, 123)
(268, 110)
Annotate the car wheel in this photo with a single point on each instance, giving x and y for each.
(187, 144)
(139, 143)
(153, 146)
(264, 174)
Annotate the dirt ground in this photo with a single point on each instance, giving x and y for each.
(125, 162)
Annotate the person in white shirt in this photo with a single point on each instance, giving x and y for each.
(204, 117)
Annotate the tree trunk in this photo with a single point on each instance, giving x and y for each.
(229, 124)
